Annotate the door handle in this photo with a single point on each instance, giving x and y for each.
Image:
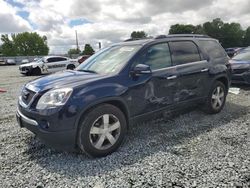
(171, 77)
(204, 70)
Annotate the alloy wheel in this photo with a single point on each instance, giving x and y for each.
(105, 131)
(218, 97)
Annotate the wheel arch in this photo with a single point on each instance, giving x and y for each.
(224, 80)
(112, 101)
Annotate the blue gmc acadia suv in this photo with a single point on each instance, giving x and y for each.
(91, 108)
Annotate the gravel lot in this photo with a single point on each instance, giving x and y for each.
(190, 150)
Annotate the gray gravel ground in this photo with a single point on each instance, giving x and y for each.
(190, 150)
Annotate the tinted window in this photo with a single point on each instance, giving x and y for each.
(52, 59)
(184, 52)
(213, 48)
(61, 59)
(156, 56)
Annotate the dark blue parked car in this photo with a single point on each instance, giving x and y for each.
(241, 67)
(92, 107)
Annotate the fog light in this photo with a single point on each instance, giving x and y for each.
(44, 125)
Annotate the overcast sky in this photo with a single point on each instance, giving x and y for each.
(111, 21)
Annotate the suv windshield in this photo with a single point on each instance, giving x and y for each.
(243, 56)
(109, 60)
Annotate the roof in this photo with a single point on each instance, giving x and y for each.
(163, 37)
(49, 56)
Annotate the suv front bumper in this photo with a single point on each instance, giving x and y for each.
(63, 140)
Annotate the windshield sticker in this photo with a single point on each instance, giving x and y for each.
(126, 49)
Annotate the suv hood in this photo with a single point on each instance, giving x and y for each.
(63, 79)
(240, 64)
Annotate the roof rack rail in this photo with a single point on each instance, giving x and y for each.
(130, 39)
(161, 37)
(182, 35)
(133, 39)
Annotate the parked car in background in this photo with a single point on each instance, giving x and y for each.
(240, 64)
(2, 62)
(24, 61)
(36, 59)
(92, 107)
(10, 62)
(244, 49)
(48, 64)
(81, 59)
(232, 51)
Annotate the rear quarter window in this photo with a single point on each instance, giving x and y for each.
(213, 48)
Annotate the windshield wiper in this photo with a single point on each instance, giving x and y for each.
(90, 71)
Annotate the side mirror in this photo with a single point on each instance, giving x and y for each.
(141, 69)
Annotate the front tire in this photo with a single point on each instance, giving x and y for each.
(36, 71)
(102, 130)
(216, 98)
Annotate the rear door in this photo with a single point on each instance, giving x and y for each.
(191, 69)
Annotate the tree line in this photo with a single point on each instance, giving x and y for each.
(229, 34)
(24, 44)
(88, 50)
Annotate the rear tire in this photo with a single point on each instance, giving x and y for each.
(102, 130)
(216, 98)
(71, 67)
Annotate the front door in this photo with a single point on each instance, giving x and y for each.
(149, 93)
(55, 64)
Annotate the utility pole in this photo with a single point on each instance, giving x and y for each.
(77, 46)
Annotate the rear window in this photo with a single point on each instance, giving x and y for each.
(184, 52)
(61, 59)
(213, 48)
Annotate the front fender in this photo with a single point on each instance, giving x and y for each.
(90, 96)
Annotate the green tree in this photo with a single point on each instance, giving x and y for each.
(1, 50)
(24, 44)
(88, 50)
(232, 35)
(73, 51)
(246, 40)
(214, 28)
(138, 34)
(229, 34)
(186, 29)
(8, 47)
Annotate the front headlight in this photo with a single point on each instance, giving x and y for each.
(54, 98)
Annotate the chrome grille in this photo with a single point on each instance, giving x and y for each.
(239, 71)
(27, 96)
